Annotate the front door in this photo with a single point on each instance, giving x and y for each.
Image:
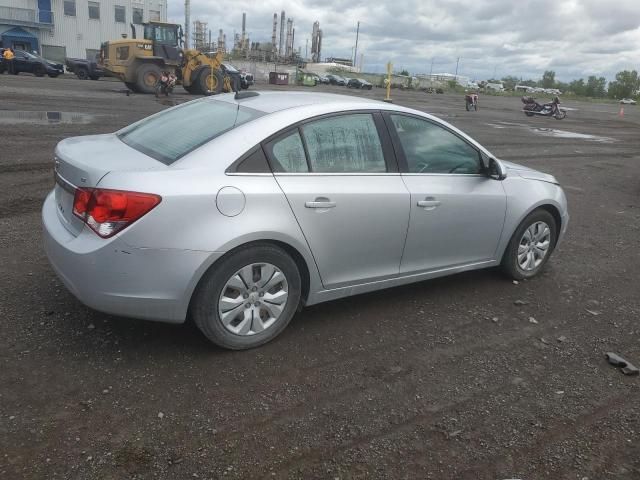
(457, 211)
(352, 207)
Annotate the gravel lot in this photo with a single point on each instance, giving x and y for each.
(446, 379)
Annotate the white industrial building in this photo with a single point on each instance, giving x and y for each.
(73, 28)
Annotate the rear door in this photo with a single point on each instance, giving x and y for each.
(457, 211)
(340, 178)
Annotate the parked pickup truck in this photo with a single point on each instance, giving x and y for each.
(84, 69)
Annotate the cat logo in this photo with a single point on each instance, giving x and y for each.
(145, 46)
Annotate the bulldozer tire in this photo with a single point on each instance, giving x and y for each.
(147, 77)
(206, 83)
(131, 86)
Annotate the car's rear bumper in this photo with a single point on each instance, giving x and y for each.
(111, 276)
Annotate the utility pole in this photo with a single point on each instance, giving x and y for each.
(306, 50)
(355, 53)
(457, 63)
(431, 71)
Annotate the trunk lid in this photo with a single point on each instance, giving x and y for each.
(84, 161)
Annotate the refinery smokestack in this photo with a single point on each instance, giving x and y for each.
(281, 47)
(287, 52)
(244, 25)
(274, 48)
(187, 23)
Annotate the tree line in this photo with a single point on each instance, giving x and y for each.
(626, 85)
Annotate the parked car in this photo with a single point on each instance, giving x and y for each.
(35, 64)
(628, 101)
(84, 69)
(336, 80)
(359, 83)
(324, 80)
(223, 219)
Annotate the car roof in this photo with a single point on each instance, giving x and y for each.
(270, 101)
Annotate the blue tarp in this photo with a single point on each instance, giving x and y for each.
(19, 35)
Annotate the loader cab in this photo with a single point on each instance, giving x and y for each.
(167, 41)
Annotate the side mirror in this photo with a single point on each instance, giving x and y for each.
(496, 170)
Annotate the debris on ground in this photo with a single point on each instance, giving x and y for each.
(562, 339)
(533, 320)
(617, 361)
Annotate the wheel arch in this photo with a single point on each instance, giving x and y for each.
(547, 206)
(302, 262)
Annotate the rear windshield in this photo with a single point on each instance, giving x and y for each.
(177, 131)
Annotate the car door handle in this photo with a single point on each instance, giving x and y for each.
(320, 204)
(429, 203)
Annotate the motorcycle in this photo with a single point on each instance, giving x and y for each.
(166, 83)
(551, 109)
(471, 101)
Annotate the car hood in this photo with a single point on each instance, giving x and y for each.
(528, 173)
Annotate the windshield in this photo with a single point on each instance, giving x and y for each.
(177, 131)
(166, 35)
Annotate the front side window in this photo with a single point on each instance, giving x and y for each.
(94, 10)
(137, 14)
(70, 8)
(177, 131)
(430, 148)
(121, 14)
(288, 155)
(344, 144)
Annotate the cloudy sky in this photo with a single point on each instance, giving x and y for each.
(575, 38)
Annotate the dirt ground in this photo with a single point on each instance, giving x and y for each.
(445, 379)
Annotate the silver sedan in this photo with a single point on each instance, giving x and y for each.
(239, 210)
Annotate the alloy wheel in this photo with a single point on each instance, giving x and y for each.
(534, 246)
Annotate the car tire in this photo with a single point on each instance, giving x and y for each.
(82, 73)
(53, 75)
(207, 305)
(522, 258)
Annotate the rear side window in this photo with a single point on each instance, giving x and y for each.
(344, 144)
(177, 131)
(287, 154)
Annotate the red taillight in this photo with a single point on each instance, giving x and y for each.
(109, 211)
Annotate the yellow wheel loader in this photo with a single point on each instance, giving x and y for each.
(140, 62)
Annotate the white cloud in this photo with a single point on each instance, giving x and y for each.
(576, 38)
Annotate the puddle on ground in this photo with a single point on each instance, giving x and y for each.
(12, 117)
(553, 132)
